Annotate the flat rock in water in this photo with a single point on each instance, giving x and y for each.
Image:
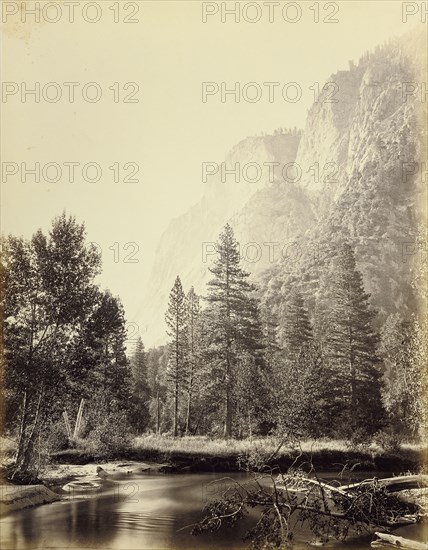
(84, 485)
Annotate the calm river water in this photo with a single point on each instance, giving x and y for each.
(138, 513)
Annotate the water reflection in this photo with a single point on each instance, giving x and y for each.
(145, 513)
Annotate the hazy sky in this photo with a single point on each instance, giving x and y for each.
(169, 52)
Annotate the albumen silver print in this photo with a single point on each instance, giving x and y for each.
(214, 274)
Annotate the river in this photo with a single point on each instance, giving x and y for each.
(145, 512)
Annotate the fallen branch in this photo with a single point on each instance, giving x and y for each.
(385, 540)
(393, 484)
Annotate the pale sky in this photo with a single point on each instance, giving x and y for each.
(170, 131)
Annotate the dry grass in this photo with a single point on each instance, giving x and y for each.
(206, 446)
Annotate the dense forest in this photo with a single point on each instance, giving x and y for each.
(240, 361)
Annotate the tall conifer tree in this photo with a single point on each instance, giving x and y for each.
(234, 315)
(295, 330)
(193, 343)
(176, 321)
(344, 326)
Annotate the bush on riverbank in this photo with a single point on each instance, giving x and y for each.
(109, 438)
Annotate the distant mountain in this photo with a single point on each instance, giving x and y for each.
(349, 182)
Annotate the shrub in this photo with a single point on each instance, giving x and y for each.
(57, 439)
(387, 440)
(110, 437)
(360, 440)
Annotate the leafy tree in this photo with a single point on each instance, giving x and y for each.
(344, 328)
(176, 321)
(298, 393)
(251, 396)
(49, 293)
(105, 336)
(404, 352)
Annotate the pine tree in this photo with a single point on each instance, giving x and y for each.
(344, 322)
(141, 390)
(176, 321)
(296, 367)
(157, 363)
(192, 358)
(295, 330)
(234, 315)
(139, 366)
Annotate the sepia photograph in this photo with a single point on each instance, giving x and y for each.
(213, 274)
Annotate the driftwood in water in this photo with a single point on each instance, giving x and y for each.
(393, 484)
(415, 497)
(385, 540)
(330, 512)
(305, 488)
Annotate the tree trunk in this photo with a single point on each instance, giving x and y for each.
(175, 427)
(158, 413)
(189, 403)
(26, 445)
(386, 540)
(228, 404)
(352, 384)
(228, 401)
(250, 431)
(189, 399)
(177, 370)
(353, 398)
(228, 415)
(21, 438)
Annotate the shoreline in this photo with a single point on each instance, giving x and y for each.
(323, 459)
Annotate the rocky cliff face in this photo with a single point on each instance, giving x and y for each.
(355, 180)
(372, 141)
